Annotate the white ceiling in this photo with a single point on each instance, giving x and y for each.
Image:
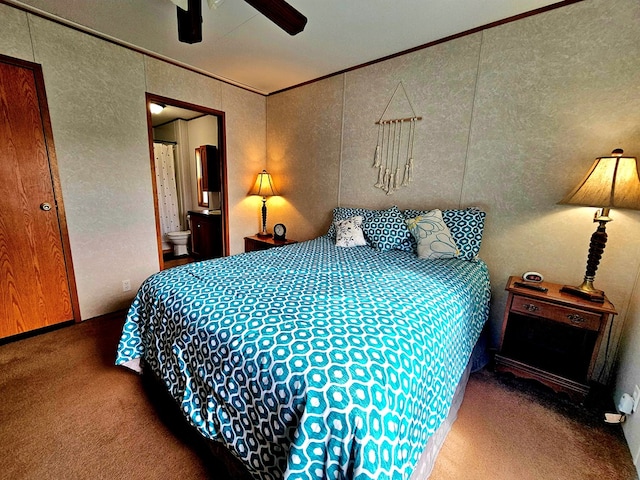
(245, 48)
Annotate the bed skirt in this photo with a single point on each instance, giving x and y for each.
(479, 360)
(428, 458)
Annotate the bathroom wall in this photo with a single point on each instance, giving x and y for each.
(187, 169)
(202, 131)
(166, 132)
(96, 95)
(512, 119)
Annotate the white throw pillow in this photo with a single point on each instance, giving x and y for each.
(349, 232)
(432, 235)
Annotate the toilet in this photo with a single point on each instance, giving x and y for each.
(179, 240)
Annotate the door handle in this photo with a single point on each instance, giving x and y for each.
(45, 206)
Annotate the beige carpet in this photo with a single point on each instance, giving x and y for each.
(67, 412)
(504, 434)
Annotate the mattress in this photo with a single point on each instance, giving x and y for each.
(311, 360)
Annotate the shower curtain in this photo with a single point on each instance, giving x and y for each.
(167, 191)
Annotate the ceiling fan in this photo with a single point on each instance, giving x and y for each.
(278, 11)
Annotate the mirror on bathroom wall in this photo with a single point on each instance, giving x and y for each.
(176, 134)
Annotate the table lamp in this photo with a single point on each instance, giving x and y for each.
(264, 188)
(612, 182)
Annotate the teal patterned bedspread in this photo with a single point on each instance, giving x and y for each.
(312, 361)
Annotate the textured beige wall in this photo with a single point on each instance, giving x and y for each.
(439, 84)
(96, 101)
(14, 34)
(304, 135)
(246, 157)
(550, 97)
(512, 119)
(96, 95)
(245, 117)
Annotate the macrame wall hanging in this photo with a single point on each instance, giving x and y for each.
(396, 137)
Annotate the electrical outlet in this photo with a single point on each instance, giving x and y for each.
(126, 285)
(636, 398)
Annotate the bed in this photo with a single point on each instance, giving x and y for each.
(315, 360)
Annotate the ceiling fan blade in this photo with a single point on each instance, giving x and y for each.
(282, 14)
(190, 22)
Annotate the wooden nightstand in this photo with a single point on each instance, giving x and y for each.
(251, 244)
(552, 337)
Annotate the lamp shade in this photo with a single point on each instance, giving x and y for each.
(612, 182)
(264, 185)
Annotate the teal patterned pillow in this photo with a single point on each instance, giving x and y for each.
(343, 213)
(432, 236)
(386, 230)
(466, 226)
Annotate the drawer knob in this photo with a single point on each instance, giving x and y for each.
(530, 307)
(575, 318)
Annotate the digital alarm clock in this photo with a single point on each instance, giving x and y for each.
(533, 277)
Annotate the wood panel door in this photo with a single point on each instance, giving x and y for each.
(36, 274)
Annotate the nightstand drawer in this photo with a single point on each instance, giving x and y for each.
(559, 313)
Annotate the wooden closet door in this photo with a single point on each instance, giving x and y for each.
(35, 267)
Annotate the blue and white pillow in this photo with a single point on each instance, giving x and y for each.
(466, 227)
(343, 213)
(386, 230)
(432, 236)
(349, 232)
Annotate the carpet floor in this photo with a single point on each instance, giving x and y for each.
(67, 412)
(509, 428)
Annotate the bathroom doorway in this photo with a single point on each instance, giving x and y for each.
(187, 187)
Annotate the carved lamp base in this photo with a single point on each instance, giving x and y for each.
(263, 233)
(596, 248)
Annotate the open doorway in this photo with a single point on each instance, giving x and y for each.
(189, 176)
